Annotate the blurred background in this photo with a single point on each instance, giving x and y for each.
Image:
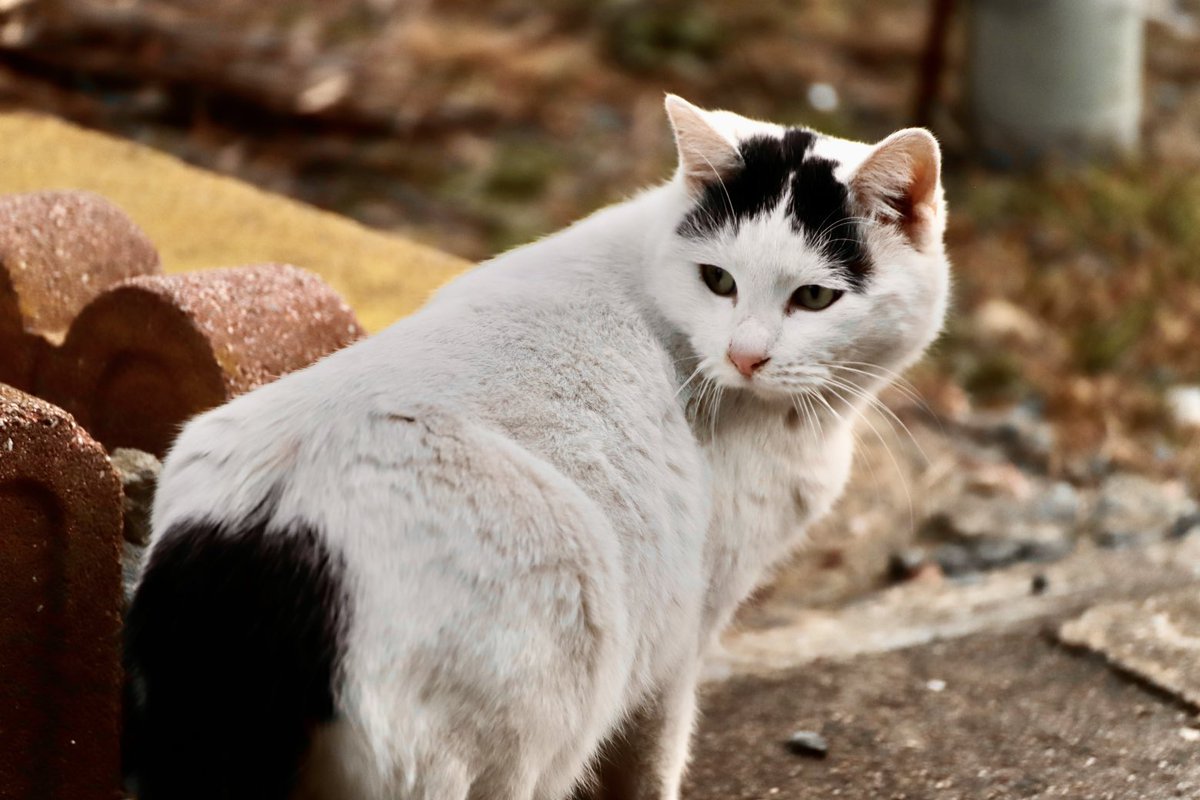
(1068, 381)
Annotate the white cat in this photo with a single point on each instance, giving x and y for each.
(481, 554)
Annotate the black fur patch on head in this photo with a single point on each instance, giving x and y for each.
(233, 645)
(819, 204)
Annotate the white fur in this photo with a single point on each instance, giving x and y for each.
(543, 522)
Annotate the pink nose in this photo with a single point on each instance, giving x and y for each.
(747, 362)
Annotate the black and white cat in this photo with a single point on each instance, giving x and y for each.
(481, 554)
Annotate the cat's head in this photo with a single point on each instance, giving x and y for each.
(797, 261)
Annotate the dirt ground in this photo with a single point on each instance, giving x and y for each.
(1014, 715)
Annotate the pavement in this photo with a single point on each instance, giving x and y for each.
(1014, 715)
(1081, 684)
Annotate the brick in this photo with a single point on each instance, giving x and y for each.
(58, 250)
(60, 600)
(153, 351)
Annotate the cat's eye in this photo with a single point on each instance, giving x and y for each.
(815, 298)
(718, 280)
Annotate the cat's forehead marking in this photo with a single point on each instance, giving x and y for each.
(818, 204)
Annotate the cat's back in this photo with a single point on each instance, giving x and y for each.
(552, 361)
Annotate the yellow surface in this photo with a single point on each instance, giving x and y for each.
(200, 220)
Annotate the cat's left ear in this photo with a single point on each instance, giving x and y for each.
(705, 154)
(900, 184)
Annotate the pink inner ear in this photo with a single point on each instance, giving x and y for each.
(704, 154)
(898, 184)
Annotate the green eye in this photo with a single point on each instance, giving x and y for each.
(718, 280)
(815, 298)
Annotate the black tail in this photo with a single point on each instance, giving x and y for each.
(233, 644)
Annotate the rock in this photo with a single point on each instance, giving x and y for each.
(1130, 509)
(1184, 402)
(132, 556)
(1185, 526)
(138, 472)
(1114, 540)
(60, 595)
(58, 250)
(1000, 321)
(955, 559)
(1021, 433)
(150, 353)
(1156, 639)
(907, 563)
(981, 532)
(808, 743)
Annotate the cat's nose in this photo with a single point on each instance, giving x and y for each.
(747, 361)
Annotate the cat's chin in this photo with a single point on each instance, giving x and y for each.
(773, 396)
(765, 392)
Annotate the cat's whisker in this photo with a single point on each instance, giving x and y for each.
(858, 443)
(692, 377)
(823, 233)
(827, 241)
(846, 222)
(720, 392)
(703, 408)
(891, 380)
(796, 407)
(895, 379)
(874, 402)
(721, 181)
(885, 372)
(912, 520)
(818, 428)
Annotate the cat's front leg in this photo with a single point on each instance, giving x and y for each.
(646, 757)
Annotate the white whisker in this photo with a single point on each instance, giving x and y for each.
(875, 402)
(912, 521)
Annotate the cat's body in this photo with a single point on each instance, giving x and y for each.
(503, 532)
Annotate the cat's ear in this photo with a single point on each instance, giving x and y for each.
(900, 184)
(705, 154)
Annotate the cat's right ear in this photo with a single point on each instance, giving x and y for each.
(705, 154)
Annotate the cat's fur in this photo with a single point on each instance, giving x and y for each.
(481, 554)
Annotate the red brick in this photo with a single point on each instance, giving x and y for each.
(153, 351)
(60, 600)
(58, 250)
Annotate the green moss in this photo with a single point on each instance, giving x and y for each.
(672, 35)
(1100, 345)
(522, 171)
(994, 377)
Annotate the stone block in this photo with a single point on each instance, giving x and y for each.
(153, 351)
(60, 601)
(58, 250)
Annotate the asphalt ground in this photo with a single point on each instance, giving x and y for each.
(992, 715)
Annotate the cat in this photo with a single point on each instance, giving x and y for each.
(482, 553)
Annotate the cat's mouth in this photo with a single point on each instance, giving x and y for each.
(775, 385)
(776, 378)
